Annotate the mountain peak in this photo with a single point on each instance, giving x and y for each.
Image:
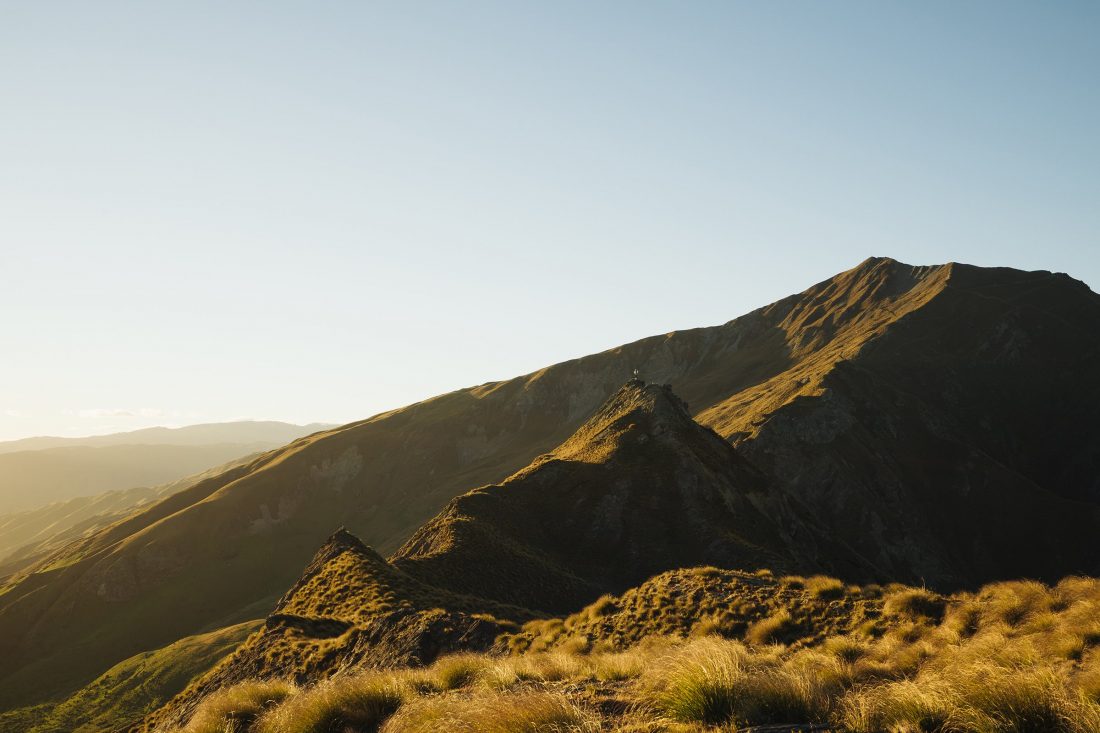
(638, 409)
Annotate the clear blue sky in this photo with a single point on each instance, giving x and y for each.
(316, 211)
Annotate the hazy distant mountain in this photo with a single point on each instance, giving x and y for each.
(906, 423)
(28, 536)
(45, 470)
(241, 431)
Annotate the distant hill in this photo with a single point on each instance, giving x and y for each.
(936, 422)
(240, 431)
(28, 536)
(37, 471)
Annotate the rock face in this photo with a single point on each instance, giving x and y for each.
(903, 423)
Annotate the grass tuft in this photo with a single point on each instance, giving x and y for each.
(526, 712)
(358, 703)
(234, 709)
(715, 682)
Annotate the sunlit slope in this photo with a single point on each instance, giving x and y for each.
(229, 547)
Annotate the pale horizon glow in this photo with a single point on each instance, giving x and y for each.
(315, 213)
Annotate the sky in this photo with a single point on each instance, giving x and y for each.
(318, 211)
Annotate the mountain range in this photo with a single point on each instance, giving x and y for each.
(891, 424)
(35, 472)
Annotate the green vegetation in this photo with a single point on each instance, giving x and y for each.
(131, 688)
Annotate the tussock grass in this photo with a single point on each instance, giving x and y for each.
(458, 670)
(824, 587)
(916, 604)
(1014, 658)
(977, 699)
(602, 606)
(356, 703)
(899, 706)
(526, 712)
(234, 709)
(771, 630)
(715, 681)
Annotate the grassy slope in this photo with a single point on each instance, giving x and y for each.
(241, 539)
(132, 687)
(1015, 656)
(27, 537)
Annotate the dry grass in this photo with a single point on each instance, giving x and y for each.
(915, 604)
(771, 630)
(525, 712)
(359, 703)
(234, 709)
(824, 587)
(1014, 658)
(715, 681)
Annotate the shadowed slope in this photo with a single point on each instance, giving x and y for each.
(960, 445)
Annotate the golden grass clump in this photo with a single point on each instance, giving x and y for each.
(602, 606)
(715, 681)
(358, 703)
(915, 604)
(524, 712)
(1015, 657)
(901, 706)
(458, 670)
(980, 698)
(771, 630)
(824, 588)
(233, 709)
(1013, 602)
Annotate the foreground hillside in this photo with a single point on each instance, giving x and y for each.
(929, 417)
(796, 653)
